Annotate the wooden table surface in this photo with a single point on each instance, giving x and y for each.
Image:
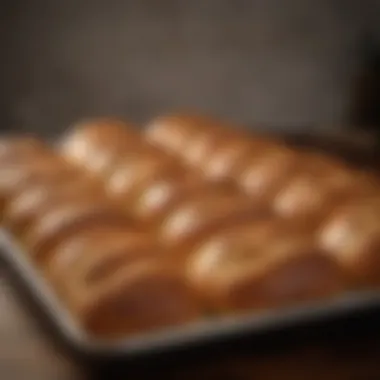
(26, 354)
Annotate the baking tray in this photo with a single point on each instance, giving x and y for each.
(355, 312)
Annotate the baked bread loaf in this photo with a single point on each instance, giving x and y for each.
(218, 144)
(14, 178)
(320, 186)
(202, 146)
(97, 144)
(351, 235)
(266, 173)
(228, 156)
(34, 201)
(174, 133)
(66, 220)
(256, 270)
(130, 176)
(196, 218)
(97, 252)
(210, 145)
(158, 196)
(144, 296)
(311, 197)
(19, 149)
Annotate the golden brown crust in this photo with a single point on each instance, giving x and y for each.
(66, 220)
(58, 265)
(161, 195)
(131, 175)
(18, 149)
(227, 158)
(97, 253)
(352, 237)
(234, 150)
(306, 196)
(259, 274)
(197, 152)
(319, 187)
(264, 175)
(243, 242)
(138, 298)
(197, 217)
(17, 177)
(34, 201)
(96, 144)
(174, 133)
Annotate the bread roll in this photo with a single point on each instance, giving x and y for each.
(174, 133)
(320, 187)
(96, 144)
(138, 298)
(352, 237)
(161, 194)
(308, 196)
(20, 149)
(263, 176)
(58, 265)
(227, 157)
(97, 252)
(196, 218)
(34, 201)
(260, 273)
(201, 147)
(231, 242)
(65, 221)
(17, 177)
(132, 174)
(242, 242)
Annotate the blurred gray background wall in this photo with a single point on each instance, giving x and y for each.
(268, 62)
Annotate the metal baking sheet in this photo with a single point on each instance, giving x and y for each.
(202, 333)
(361, 309)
